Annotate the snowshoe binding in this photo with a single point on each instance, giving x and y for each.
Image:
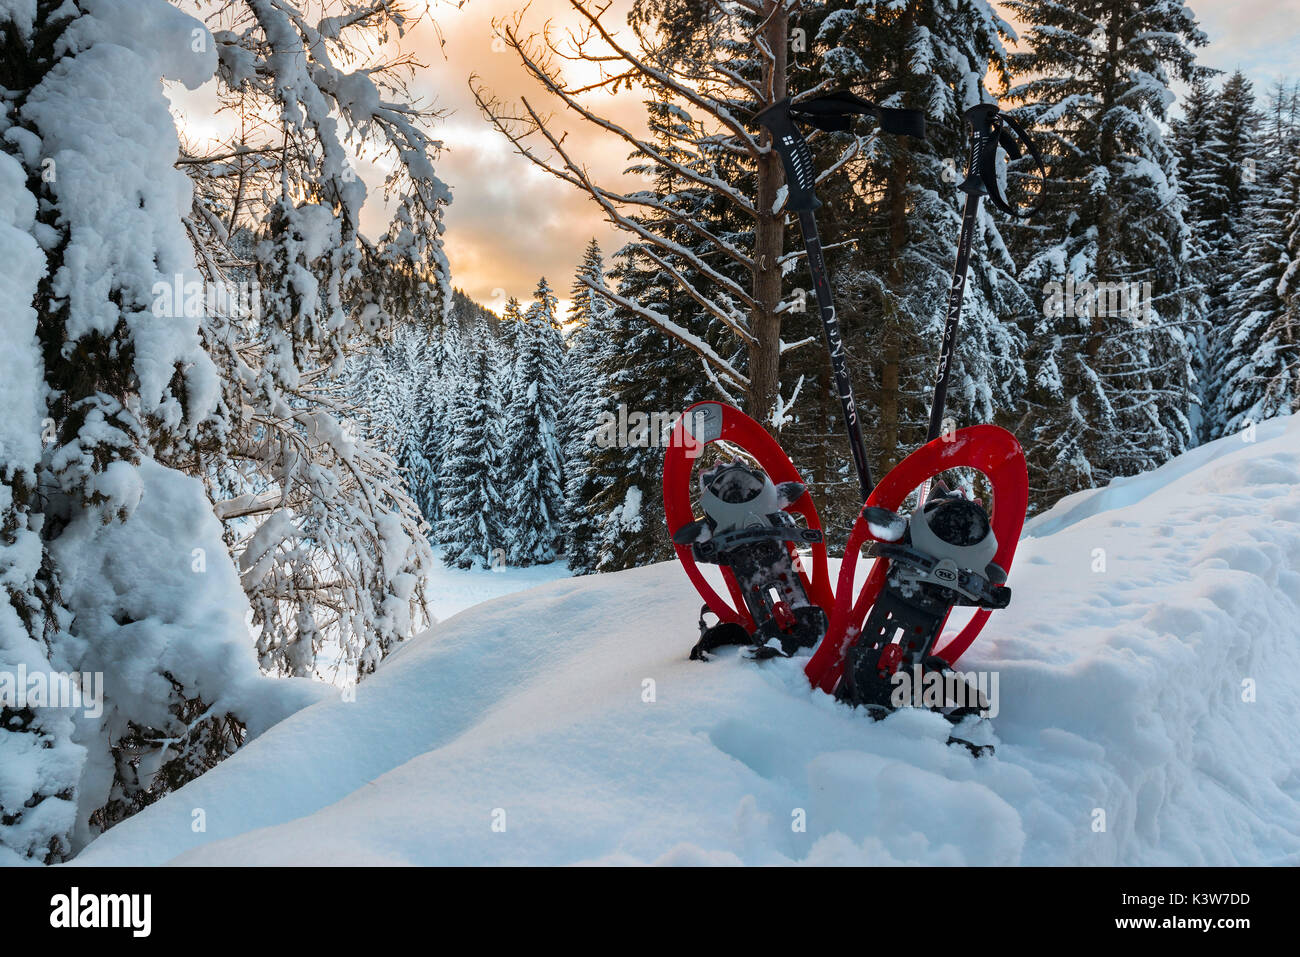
(932, 569)
(746, 529)
(949, 552)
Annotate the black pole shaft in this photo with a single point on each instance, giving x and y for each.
(835, 346)
(955, 294)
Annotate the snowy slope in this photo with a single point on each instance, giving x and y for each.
(1121, 691)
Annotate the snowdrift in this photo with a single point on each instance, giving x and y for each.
(1149, 705)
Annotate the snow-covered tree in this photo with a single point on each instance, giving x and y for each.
(644, 377)
(106, 569)
(418, 385)
(510, 326)
(40, 764)
(1111, 352)
(127, 376)
(1257, 348)
(532, 468)
(471, 525)
(319, 519)
(589, 336)
(1218, 159)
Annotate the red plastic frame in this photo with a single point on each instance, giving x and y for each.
(991, 450)
(740, 430)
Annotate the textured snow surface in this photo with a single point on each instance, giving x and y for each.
(1120, 691)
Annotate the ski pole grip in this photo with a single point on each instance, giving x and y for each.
(800, 177)
(990, 129)
(980, 170)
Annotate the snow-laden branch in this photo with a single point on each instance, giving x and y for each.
(666, 325)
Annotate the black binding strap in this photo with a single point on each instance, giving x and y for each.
(713, 637)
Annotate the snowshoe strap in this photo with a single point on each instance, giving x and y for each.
(715, 549)
(713, 637)
(917, 567)
(991, 128)
(832, 112)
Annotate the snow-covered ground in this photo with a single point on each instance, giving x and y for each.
(452, 590)
(1149, 708)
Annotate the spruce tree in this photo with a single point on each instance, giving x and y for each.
(1258, 346)
(590, 328)
(470, 529)
(1218, 162)
(640, 377)
(508, 329)
(532, 482)
(645, 379)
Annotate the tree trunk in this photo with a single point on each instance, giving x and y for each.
(769, 238)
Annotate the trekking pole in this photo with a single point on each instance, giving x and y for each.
(831, 113)
(989, 129)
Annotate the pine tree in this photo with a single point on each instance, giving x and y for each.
(532, 472)
(417, 471)
(1202, 177)
(1236, 130)
(1110, 356)
(509, 328)
(640, 377)
(644, 378)
(1218, 158)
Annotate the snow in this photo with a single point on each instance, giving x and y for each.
(21, 267)
(451, 590)
(1146, 674)
(175, 612)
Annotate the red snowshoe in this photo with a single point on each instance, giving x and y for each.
(749, 532)
(949, 552)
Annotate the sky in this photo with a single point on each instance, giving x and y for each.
(511, 223)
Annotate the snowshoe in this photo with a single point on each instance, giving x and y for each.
(749, 531)
(950, 552)
(931, 570)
